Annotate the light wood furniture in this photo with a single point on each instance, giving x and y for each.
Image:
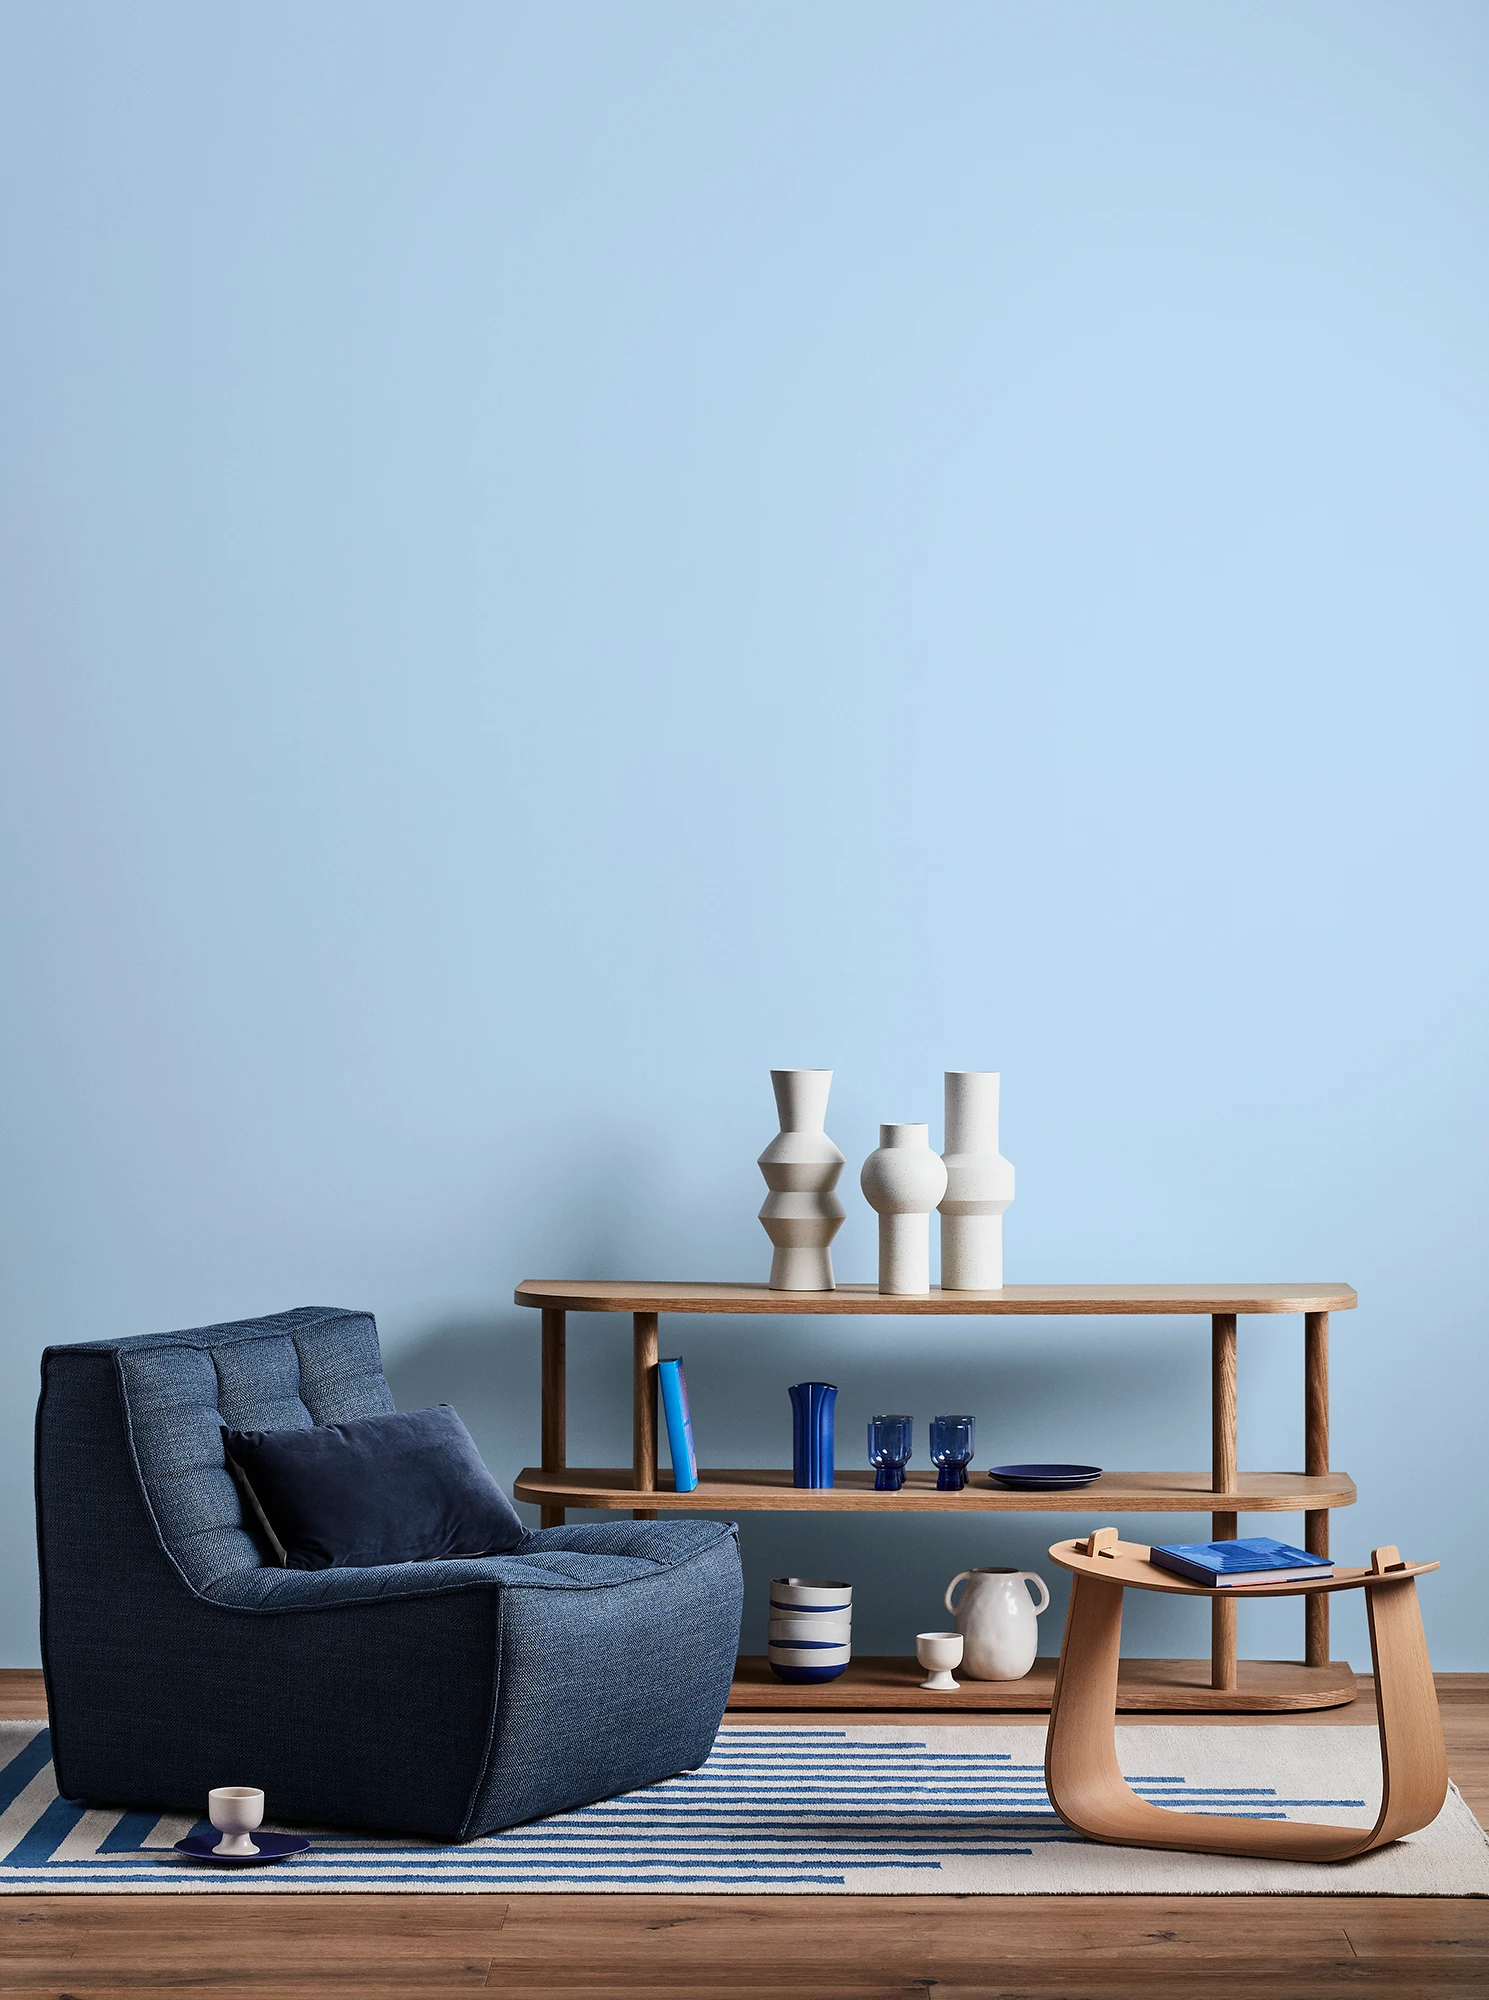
(1085, 1781)
(1224, 1492)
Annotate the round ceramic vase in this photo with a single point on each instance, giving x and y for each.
(903, 1181)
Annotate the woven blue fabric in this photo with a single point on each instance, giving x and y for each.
(446, 1698)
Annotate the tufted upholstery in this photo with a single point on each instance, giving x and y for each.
(444, 1699)
(313, 1366)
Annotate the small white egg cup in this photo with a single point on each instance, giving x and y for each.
(939, 1652)
(236, 1811)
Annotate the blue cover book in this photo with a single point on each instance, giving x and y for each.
(679, 1425)
(1257, 1560)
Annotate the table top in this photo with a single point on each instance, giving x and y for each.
(670, 1296)
(1128, 1563)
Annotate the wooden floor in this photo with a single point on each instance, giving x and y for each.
(773, 1947)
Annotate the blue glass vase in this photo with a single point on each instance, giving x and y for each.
(811, 1433)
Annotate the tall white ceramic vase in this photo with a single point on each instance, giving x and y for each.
(801, 1214)
(903, 1181)
(979, 1185)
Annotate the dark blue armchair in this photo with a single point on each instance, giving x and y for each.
(445, 1698)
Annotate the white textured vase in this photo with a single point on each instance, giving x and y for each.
(801, 1214)
(903, 1181)
(1000, 1637)
(979, 1185)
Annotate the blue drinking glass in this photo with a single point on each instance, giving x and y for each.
(952, 1441)
(889, 1451)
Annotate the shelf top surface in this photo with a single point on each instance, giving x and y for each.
(770, 1488)
(1130, 1564)
(671, 1296)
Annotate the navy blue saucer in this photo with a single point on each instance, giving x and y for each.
(271, 1847)
(1043, 1478)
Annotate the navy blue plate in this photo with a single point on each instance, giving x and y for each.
(1043, 1478)
(271, 1847)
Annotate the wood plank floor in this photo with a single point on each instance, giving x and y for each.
(773, 1947)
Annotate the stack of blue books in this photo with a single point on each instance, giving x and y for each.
(1227, 1565)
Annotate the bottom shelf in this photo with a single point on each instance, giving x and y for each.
(1165, 1685)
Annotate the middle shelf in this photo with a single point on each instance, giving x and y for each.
(756, 1489)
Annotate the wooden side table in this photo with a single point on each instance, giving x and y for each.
(1222, 1490)
(1085, 1782)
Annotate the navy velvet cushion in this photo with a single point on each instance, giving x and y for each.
(408, 1487)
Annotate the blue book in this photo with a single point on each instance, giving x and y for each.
(1224, 1565)
(674, 1388)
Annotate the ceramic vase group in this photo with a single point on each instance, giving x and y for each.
(902, 1180)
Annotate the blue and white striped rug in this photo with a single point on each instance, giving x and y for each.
(950, 1810)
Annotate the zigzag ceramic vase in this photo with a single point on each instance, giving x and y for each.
(979, 1185)
(801, 1214)
(904, 1180)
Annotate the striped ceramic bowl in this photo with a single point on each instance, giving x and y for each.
(811, 1625)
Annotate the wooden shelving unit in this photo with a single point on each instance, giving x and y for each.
(1224, 1492)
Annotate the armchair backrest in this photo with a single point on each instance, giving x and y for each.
(171, 1394)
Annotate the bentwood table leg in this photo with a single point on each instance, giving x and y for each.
(644, 1411)
(1223, 1527)
(1316, 1460)
(555, 1405)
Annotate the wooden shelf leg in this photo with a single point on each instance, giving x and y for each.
(644, 1411)
(555, 1405)
(1316, 1460)
(1223, 1474)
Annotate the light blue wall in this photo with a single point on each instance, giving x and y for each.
(558, 556)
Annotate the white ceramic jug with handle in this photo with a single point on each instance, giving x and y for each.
(997, 1621)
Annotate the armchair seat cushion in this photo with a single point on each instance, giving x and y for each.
(591, 1557)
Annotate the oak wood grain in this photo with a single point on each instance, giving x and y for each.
(1316, 1459)
(769, 1488)
(659, 1296)
(802, 1947)
(644, 1410)
(891, 1682)
(1128, 1563)
(554, 1408)
(1084, 1777)
(1224, 1525)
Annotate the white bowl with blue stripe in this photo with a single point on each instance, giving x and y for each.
(809, 1593)
(785, 1631)
(810, 1663)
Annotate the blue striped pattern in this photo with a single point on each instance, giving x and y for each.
(773, 1808)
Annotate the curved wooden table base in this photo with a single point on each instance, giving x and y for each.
(1085, 1782)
